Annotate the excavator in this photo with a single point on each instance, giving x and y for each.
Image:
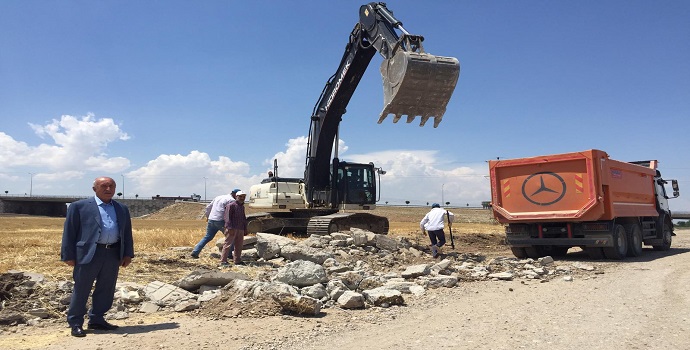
(333, 193)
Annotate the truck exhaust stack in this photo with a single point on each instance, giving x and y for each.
(418, 84)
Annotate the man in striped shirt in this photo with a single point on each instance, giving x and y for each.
(235, 229)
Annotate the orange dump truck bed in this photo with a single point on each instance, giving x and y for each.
(573, 187)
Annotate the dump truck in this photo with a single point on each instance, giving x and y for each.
(608, 208)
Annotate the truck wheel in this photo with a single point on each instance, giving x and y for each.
(534, 252)
(519, 252)
(555, 250)
(634, 240)
(620, 244)
(667, 237)
(595, 253)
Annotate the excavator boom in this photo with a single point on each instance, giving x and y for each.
(415, 83)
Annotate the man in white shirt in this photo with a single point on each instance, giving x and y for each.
(432, 223)
(215, 214)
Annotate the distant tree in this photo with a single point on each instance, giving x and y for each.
(6, 192)
(447, 203)
(386, 202)
(427, 203)
(407, 202)
(119, 194)
(468, 204)
(136, 195)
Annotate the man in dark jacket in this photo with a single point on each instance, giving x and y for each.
(96, 241)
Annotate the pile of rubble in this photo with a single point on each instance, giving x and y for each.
(349, 270)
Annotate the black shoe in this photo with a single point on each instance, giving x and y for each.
(194, 256)
(103, 326)
(77, 331)
(241, 263)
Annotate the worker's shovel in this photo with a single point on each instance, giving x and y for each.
(450, 229)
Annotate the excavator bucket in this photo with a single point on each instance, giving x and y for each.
(418, 84)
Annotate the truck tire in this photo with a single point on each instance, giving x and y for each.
(555, 250)
(634, 240)
(667, 237)
(519, 252)
(620, 244)
(534, 252)
(595, 253)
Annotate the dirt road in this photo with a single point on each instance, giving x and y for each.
(639, 303)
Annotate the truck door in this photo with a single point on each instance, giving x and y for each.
(661, 197)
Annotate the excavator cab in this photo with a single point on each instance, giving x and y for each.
(356, 186)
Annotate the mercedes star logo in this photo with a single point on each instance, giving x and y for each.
(545, 188)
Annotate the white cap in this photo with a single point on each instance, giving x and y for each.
(240, 193)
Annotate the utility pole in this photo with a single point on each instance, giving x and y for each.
(204, 188)
(442, 201)
(31, 184)
(123, 186)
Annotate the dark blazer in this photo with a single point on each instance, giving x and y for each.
(83, 227)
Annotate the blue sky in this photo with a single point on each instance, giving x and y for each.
(181, 97)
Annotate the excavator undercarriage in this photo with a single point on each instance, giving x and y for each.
(315, 221)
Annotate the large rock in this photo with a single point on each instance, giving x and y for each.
(188, 305)
(301, 273)
(440, 266)
(300, 252)
(416, 271)
(387, 243)
(260, 289)
(200, 278)
(316, 241)
(440, 281)
(405, 287)
(335, 288)
(383, 296)
(164, 294)
(351, 300)
(267, 249)
(359, 238)
(371, 282)
(317, 291)
(351, 279)
(505, 276)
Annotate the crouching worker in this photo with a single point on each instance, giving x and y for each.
(432, 223)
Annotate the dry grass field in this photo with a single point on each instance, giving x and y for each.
(30, 243)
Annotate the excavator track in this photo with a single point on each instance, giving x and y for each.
(326, 224)
(314, 221)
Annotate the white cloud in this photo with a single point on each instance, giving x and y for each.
(181, 175)
(80, 146)
(77, 143)
(415, 175)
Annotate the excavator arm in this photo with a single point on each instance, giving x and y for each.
(414, 84)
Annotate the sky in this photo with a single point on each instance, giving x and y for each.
(174, 97)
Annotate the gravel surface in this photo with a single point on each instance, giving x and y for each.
(637, 303)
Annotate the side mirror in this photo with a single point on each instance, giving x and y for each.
(676, 191)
